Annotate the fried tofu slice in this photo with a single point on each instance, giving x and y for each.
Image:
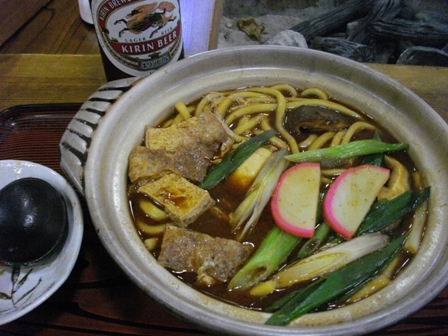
(144, 163)
(185, 148)
(204, 130)
(183, 201)
(211, 258)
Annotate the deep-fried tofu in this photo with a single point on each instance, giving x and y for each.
(183, 201)
(217, 258)
(144, 163)
(185, 148)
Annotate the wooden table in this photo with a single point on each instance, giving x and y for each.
(98, 299)
(39, 78)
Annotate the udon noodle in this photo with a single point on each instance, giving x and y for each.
(247, 112)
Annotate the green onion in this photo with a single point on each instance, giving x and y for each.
(329, 260)
(334, 239)
(418, 224)
(273, 250)
(319, 238)
(333, 155)
(385, 212)
(375, 159)
(232, 161)
(337, 284)
(296, 296)
(259, 193)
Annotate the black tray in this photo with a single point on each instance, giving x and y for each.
(33, 132)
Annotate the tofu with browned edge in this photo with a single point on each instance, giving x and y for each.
(213, 259)
(183, 201)
(185, 148)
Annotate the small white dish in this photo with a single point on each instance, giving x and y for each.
(24, 288)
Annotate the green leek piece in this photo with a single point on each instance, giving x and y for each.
(232, 161)
(375, 159)
(319, 238)
(385, 212)
(259, 193)
(296, 296)
(273, 250)
(330, 156)
(337, 284)
(335, 239)
(329, 260)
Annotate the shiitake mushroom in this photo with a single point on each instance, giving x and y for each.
(33, 221)
(315, 119)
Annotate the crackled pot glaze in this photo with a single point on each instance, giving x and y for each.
(149, 100)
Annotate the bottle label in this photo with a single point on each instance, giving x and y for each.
(138, 36)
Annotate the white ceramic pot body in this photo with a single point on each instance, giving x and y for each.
(403, 113)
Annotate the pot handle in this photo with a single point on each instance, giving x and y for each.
(76, 140)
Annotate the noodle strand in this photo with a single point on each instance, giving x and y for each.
(248, 125)
(314, 92)
(280, 116)
(354, 128)
(183, 110)
(322, 140)
(286, 87)
(294, 103)
(251, 109)
(338, 138)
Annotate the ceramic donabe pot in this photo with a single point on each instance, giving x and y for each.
(404, 114)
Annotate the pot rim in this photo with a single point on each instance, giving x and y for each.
(242, 63)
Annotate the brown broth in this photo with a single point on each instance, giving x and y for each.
(228, 197)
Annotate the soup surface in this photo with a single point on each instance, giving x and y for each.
(304, 120)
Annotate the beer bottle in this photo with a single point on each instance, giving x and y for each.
(137, 37)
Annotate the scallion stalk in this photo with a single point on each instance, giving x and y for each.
(337, 284)
(375, 159)
(273, 250)
(232, 161)
(329, 156)
(259, 193)
(330, 260)
(319, 238)
(418, 225)
(385, 212)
